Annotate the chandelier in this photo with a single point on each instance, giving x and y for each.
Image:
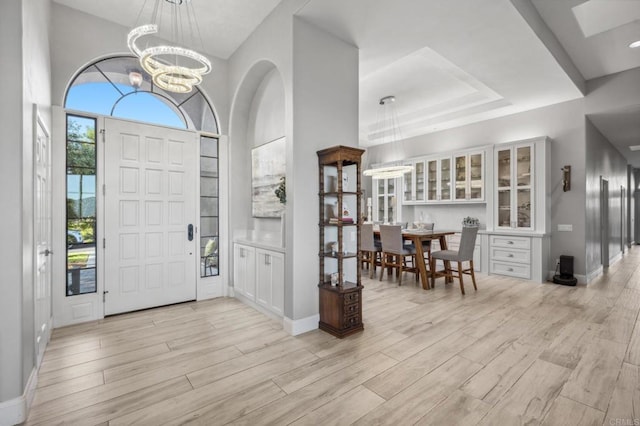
(387, 125)
(172, 68)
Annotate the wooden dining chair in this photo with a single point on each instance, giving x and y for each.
(371, 249)
(463, 254)
(394, 253)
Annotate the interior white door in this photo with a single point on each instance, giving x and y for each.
(42, 238)
(150, 198)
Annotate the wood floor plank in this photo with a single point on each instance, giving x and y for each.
(493, 381)
(343, 410)
(316, 370)
(594, 378)
(513, 352)
(108, 406)
(69, 387)
(633, 351)
(571, 413)
(531, 397)
(416, 400)
(200, 397)
(56, 376)
(229, 409)
(307, 399)
(174, 363)
(570, 343)
(624, 405)
(398, 378)
(458, 409)
(204, 376)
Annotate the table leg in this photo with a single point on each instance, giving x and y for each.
(420, 262)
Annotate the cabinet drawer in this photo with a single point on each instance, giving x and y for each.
(511, 242)
(511, 255)
(351, 320)
(350, 298)
(351, 309)
(511, 269)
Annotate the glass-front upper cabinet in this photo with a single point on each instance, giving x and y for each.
(514, 178)
(438, 177)
(469, 177)
(414, 183)
(386, 208)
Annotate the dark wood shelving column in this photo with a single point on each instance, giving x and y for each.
(341, 304)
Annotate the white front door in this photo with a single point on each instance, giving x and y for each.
(42, 238)
(150, 200)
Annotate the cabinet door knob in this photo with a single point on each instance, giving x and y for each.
(510, 269)
(509, 242)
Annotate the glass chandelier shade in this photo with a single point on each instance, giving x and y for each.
(388, 124)
(172, 68)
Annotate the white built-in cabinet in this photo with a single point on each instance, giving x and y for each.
(244, 272)
(439, 172)
(456, 177)
(413, 183)
(258, 276)
(518, 244)
(515, 189)
(270, 280)
(386, 206)
(468, 175)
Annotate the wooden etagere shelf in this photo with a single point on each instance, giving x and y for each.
(339, 257)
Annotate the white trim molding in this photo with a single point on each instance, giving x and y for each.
(295, 327)
(15, 411)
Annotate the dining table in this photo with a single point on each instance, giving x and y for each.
(417, 236)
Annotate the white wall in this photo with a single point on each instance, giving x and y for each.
(266, 124)
(603, 159)
(11, 380)
(325, 100)
(563, 123)
(319, 74)
(78, 39)
(24, 53)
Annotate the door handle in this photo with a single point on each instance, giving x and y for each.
(47, 252)
(190, 232)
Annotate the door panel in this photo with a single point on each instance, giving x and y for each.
(42, 235)
(150, 201)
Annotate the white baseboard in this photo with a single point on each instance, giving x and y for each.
(295, 327)
(594, 274)
(15, 411)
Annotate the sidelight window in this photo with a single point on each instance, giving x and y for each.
(81, 205)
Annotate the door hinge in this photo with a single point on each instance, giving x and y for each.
(104, 296)
(104, 243)
(103, 132)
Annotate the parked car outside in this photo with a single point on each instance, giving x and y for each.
(73, 237)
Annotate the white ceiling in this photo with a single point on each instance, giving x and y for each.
(596, 35)
(448, 62)
(224, 24)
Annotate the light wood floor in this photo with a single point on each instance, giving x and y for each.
(515, 352)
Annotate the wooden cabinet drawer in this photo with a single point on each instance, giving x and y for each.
(351, 309)
(510, 242)
(353, 297)
(511, 255)
(352, 320)
(511, 269)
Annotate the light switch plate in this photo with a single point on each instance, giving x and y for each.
(567, 228)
